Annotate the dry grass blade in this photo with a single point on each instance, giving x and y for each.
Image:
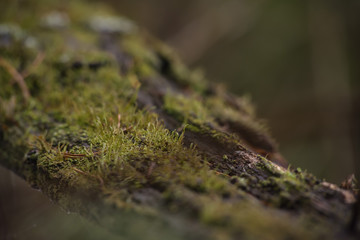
(37, 61)
(17, 77)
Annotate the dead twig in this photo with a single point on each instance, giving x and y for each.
(17, 77)
(71, 155)
(37, 61)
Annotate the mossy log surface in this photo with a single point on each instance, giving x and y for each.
(107, 122)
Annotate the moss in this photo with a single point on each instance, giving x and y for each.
(173, 68)
(84, 136)
(189, 107)
(273, 170)
(288, 189)
(145, 60)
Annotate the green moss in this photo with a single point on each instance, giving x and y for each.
(173, 68)
(82, 132)
(186, 109)
(145, 60)
(266, 165)
(288, 189)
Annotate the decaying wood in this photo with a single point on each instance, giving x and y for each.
(116, 128)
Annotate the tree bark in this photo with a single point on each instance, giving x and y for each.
(107, 122)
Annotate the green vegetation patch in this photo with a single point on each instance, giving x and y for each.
(71, 126)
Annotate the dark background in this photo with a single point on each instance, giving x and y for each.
(297, 60)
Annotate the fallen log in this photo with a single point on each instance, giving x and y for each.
(107, 122)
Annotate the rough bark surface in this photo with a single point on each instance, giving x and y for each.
(107, 122)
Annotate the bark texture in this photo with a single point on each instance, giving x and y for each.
(107, 122)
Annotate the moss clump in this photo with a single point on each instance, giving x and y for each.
(186, 109)
(97, 136)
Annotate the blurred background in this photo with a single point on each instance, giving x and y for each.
(297, 60)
